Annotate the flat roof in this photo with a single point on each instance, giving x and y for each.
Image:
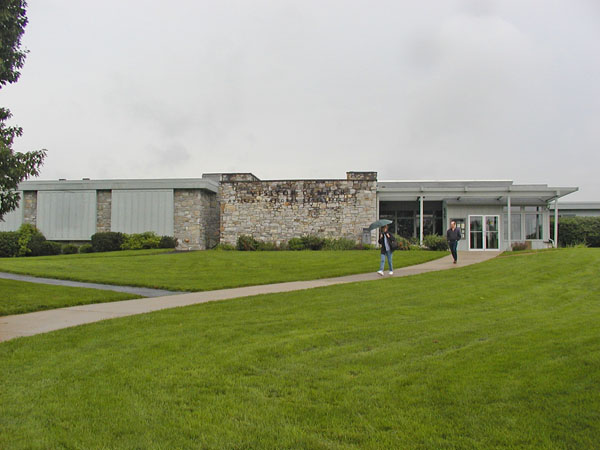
(577, 205)
(85, 184)
(456, 190)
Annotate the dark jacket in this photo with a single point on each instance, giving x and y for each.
(453, 235)
(390, 238)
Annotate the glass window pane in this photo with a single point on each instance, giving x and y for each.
(476, 232)
(406, 227)
(476, 223)
(491, 223)
(533, 226)
(491, 239)
(515, 231)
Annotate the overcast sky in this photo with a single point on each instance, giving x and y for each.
(446, 89)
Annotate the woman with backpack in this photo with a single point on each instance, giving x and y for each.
(386, 240)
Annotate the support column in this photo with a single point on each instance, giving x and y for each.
(509, 225)
(421, 221)
(556, 223)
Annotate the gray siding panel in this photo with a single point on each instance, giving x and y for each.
(14, 219)
(66, 215)
(136, 211)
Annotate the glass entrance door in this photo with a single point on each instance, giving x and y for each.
(484, 232)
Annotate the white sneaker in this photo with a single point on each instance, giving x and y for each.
(391, 272)
(380, 272)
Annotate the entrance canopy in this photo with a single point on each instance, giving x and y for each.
(421, 207)
(488, 192)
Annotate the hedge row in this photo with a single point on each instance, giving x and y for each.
(111, 241)
(249, 243)
(578, 230)
(29, 241)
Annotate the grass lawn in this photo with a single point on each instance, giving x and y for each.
(503, 354)
(18, 297)
(206, 270)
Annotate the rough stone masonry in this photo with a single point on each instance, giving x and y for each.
(278, 210)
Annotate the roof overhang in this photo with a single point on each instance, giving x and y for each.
(206, 184)
(471, 192)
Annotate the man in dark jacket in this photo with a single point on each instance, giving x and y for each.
(453, 236)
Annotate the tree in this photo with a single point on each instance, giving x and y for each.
(14, 166)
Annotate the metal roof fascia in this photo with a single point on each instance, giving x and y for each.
(60, 185)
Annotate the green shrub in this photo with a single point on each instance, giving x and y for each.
(246, 243)
(30, 240)
(70, 249)
(167, 242)
(519, 246)
(578, 230)
(312, 242)
(296, 244)
(86, 248)
(361, 246)
(339, 244)
(403, 243)
(435, 242)
(224, 247)
(47, 248)
(139, 241)
(107, 241)
(9, 244)
(267, 246)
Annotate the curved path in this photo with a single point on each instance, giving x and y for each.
(144, 292)
(55, 319)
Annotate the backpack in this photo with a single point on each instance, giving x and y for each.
(393, 242)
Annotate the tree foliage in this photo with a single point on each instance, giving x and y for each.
(13, 20)
(14, 166)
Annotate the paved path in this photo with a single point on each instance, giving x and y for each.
(144, 292)
(44, 321)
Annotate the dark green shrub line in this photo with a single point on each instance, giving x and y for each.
(9, 243)
(311, 242)
(29, 241)
(577, 230)
(110, 241)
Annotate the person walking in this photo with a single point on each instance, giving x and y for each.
(453, 236)
(385, 240)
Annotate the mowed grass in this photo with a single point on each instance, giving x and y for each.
(18, 297)
(206, 270)
(503, 354)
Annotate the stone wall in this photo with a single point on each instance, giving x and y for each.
(196, 221)
(30, 207)
(103, 210)
(276, 211)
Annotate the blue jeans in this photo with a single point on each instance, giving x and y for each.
(453, 245)
(389, 258)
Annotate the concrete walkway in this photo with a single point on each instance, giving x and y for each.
(144, 292)
(44, 321)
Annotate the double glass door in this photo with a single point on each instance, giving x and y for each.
(484, 232)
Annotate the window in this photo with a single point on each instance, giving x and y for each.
(515, 219)
(533, 226)
(533, 222)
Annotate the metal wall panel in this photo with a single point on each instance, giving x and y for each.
(14, 219)
(66, 215)
(136, 211)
